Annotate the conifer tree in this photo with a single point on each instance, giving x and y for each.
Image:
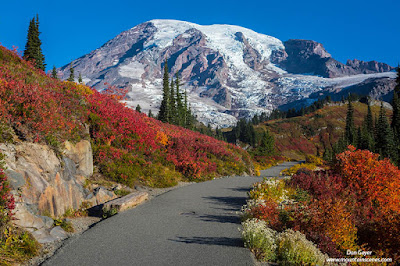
(172, 104)
(150, 114)
(179, 105)
(266, 146)
(397, 88)
(350, 133)
(396, 124)
(80, 78)
(54, 73)
(368, 132)
(71, 74)
(33, 50)
(163, 114)
(384, 137)
(138, 108)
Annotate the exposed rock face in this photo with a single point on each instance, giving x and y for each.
(369, 67)
(380, 89)
(228, 71)
(305, 56)
(44, 184)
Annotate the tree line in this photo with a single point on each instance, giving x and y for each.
(376, 134)
(174, 108)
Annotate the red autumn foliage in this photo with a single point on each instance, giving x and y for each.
(7, 203)
(41, 109)
(362, 194)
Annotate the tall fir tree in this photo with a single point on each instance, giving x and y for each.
(54, 73)
(385, 145)
(350, 132)
(163, 114)
(172, 103)
(71, 74)
(368, 132)
(179, 104)
(266, 146)
(396, 124)
(397, 88)
(80, 78)
(33, 48)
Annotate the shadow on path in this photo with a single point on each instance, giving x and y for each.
(220, 218)
(234, 202)
(214, 241)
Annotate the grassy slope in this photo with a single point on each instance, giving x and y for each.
(129, 147)
(299, 136)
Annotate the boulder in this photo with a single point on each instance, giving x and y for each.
(25, 219)
(126, 202)
(58, 233)
(43, 236)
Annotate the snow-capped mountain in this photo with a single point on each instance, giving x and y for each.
(228, 71)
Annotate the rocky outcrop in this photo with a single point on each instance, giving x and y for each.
(306, 56)
(310, 57)
(368, 67)
(45, 184)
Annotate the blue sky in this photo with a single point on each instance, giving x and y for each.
(366, 30)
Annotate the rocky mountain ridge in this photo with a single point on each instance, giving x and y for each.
(228, 71)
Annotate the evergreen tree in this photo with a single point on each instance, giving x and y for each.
(138, 108)
(54, 73)
(33, 48)
(80, 78)
(384, 137)
(179, 104)
(172, 104)
(396, 114)
(350, 133)
(266, 146)
(368, 132)
(163, 114)
(397, 88)
(150, 114)
(71, 74)
(396, 124)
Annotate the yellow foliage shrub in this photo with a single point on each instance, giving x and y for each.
(292, 170)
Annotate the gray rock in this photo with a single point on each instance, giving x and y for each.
(48, 222)
(58, 233)
(25, 219)
(126, 202)
(43, 236)
(16, 179)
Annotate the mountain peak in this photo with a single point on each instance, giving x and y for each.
(228, 71)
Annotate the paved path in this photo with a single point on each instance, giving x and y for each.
(191, 225)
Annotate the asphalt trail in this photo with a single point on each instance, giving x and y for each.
(192, 225)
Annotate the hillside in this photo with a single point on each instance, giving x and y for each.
(310, 134)
(128, 147)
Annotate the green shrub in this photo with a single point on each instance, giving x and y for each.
(259, 239)
(294, 248)
(64, 224)
(17, 246)
(109, 212)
